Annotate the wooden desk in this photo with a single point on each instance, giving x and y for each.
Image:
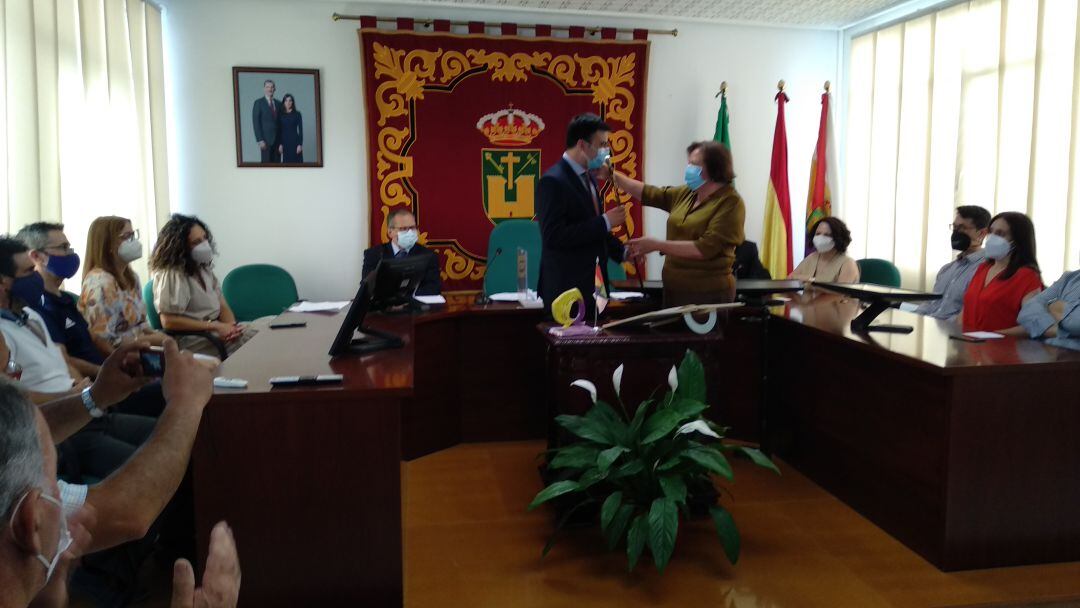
(965, 452)
(309, 477)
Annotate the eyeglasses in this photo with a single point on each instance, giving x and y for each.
(955, 227)
(129, 236)
(404, 228)
(65, 249)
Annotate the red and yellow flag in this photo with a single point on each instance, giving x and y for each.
(776, 243)
(819, 196)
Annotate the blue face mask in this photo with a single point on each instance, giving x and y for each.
(407, 238)
(601, 157)
(29, 289)
(693, 178)
(63, 266)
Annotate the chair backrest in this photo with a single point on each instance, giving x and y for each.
(259, 290)
(151, 311)
(501, 274)
(879, 272)
(615, 271)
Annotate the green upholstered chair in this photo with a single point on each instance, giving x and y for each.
(259, 290)
(615, 271)
(879, 272)
(501, 274)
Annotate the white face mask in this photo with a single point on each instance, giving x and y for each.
(407, 238)
(823, 243)
(203, 253)
(63, 541)
(996, 247)
(130, 250)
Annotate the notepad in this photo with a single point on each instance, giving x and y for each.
(318, 306)
(431, 299)
(983, 335)
(626, 295)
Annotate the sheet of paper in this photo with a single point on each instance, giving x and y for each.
(983, 335)
(431, 299)
(318, 306)
(909, 306)
(626, 295)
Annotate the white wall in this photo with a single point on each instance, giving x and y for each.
(314, 222)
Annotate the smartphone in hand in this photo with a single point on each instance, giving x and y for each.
(153, 363)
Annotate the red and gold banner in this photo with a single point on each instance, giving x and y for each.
(461, 127)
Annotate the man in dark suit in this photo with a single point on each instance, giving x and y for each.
(264, 118)
(401, 228)
(574, 228)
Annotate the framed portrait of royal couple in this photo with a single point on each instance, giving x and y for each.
(278, 117)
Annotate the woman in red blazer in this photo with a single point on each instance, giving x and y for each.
(1009, 276)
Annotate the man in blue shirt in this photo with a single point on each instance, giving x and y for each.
(56, 261)
(1053, 314)
(969, 228)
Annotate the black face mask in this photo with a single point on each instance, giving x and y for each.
(960, 241)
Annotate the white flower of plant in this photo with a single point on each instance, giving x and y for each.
(616, 379)
(589, 386)
(673, 379)
(699, 426)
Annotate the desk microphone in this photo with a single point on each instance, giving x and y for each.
(483, 299)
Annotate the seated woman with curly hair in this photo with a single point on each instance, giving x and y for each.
(187, 294)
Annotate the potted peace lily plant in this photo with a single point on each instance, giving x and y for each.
(640, 465)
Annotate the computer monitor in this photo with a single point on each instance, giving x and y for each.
(880, 298)
(370, 340)
(396, 281)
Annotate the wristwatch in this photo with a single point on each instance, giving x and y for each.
(91, 407)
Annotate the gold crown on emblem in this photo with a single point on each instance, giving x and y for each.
(510, 127)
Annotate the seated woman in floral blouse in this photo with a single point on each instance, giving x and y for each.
(111, 297)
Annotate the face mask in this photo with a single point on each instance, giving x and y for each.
(997, 247)
(130, 250)
(601, 157)
(63, 541)
(960, 241)
(29, 289)
(407, 238)
(63, 266)
(202, 253)
(692, 176)
(823, 243)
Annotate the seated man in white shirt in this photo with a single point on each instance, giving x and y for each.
(41, 516)
(38, 365)
(969, 228)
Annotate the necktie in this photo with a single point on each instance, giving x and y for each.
(401, 253)
(273, 109)
(592, 192)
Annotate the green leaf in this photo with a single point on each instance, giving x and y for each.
(639, 419)
(669, 464)
(556, 489)
(609, 509)
(758, 458)
(729, 534)
(689, 408)
(663, 527)
(591, 477)
(562, 522)
(617, 529)
(609, 419)
(691, 378)
(574, 456)
(627, 469)
(605, 459)
(586, 428)
(636, 539)
(674, 488)
(712, 460)
(660, 424)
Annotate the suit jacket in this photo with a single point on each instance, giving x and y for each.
(264, 121)
(431, 285)
(748, 263)
(573, 237)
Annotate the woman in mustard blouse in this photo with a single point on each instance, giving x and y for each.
(705, 224)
